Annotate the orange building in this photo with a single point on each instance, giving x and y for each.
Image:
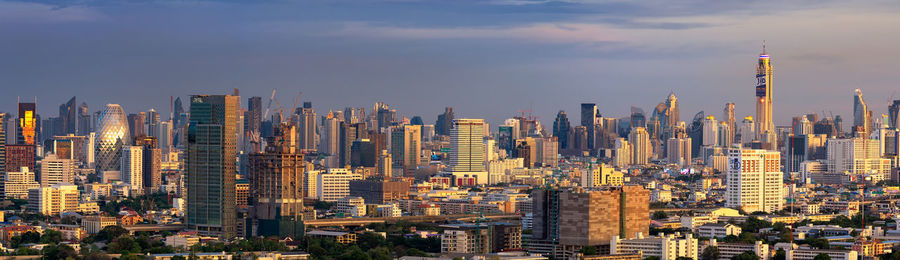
(129, 220)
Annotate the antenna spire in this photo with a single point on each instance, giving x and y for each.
(764, 47)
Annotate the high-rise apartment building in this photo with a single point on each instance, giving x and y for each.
(710, 131)
(678, 151)
(329, 146)
(132, 170)
(730, 120)
(151, 162)
(307, 127)
(210, 165)
(4, 125)
(755, 180)
(18, 182)
(53, 200)
(640, 144)
(406, 147)
(334, 184)
(57, 170)
(857, 156)
(748, 130)
(276, 183)
(764, 69)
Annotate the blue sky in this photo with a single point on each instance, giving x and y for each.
(487, 59)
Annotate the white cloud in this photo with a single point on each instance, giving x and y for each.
(42, 13)
(538, 32)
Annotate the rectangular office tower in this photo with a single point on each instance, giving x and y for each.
(210, 165)
(754, 180)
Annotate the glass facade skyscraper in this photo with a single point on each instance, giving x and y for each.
(113, 134)
(210, 165)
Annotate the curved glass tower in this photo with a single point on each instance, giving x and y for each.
(112, 135)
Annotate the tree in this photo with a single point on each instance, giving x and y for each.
(61, 251)
(710, 253)
(822, 256)
(589, 250)
(747, 255)
(110, 232)
(380, 253)
(780, 255)
(51, 236)
(659, 214)
(652, 258)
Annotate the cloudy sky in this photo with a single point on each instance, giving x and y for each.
(487, 59)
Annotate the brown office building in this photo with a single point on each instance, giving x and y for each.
(378, 191)
(590, 217)
(18, 156)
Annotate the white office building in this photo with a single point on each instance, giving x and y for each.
(755, 180)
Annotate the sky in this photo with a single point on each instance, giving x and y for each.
(487, 59)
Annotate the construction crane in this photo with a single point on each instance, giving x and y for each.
(266, 114)
(296, 102)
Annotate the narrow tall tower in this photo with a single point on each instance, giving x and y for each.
(764, 124)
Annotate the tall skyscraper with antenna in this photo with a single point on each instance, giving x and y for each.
(764, 69)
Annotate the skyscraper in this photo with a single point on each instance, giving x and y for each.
(27, 124)
(331, 137)
(152, 123)
(136, 124)
(406, 148)
(4, 124)
(442, 125)
(68, 116)
(710, 131)
(151, 163)
(112, 136)
(640, 141)
(589, 116)
(56, 170)
(132, 170)
(467, 146)
(562, 130)
(730, 120)
(754, 180)
(85, 122)
(894, 114)
(862, 117)
(306, 125)
(210, 165)
(764, 124)
(276, 185)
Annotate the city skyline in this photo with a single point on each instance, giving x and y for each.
(612, 54)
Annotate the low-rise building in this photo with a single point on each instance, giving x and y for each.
(718, 230)
(339, 237)
(93, 224)
(183, 240)
(666, 247)
(729, 250)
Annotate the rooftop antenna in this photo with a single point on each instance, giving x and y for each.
(764, 47)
